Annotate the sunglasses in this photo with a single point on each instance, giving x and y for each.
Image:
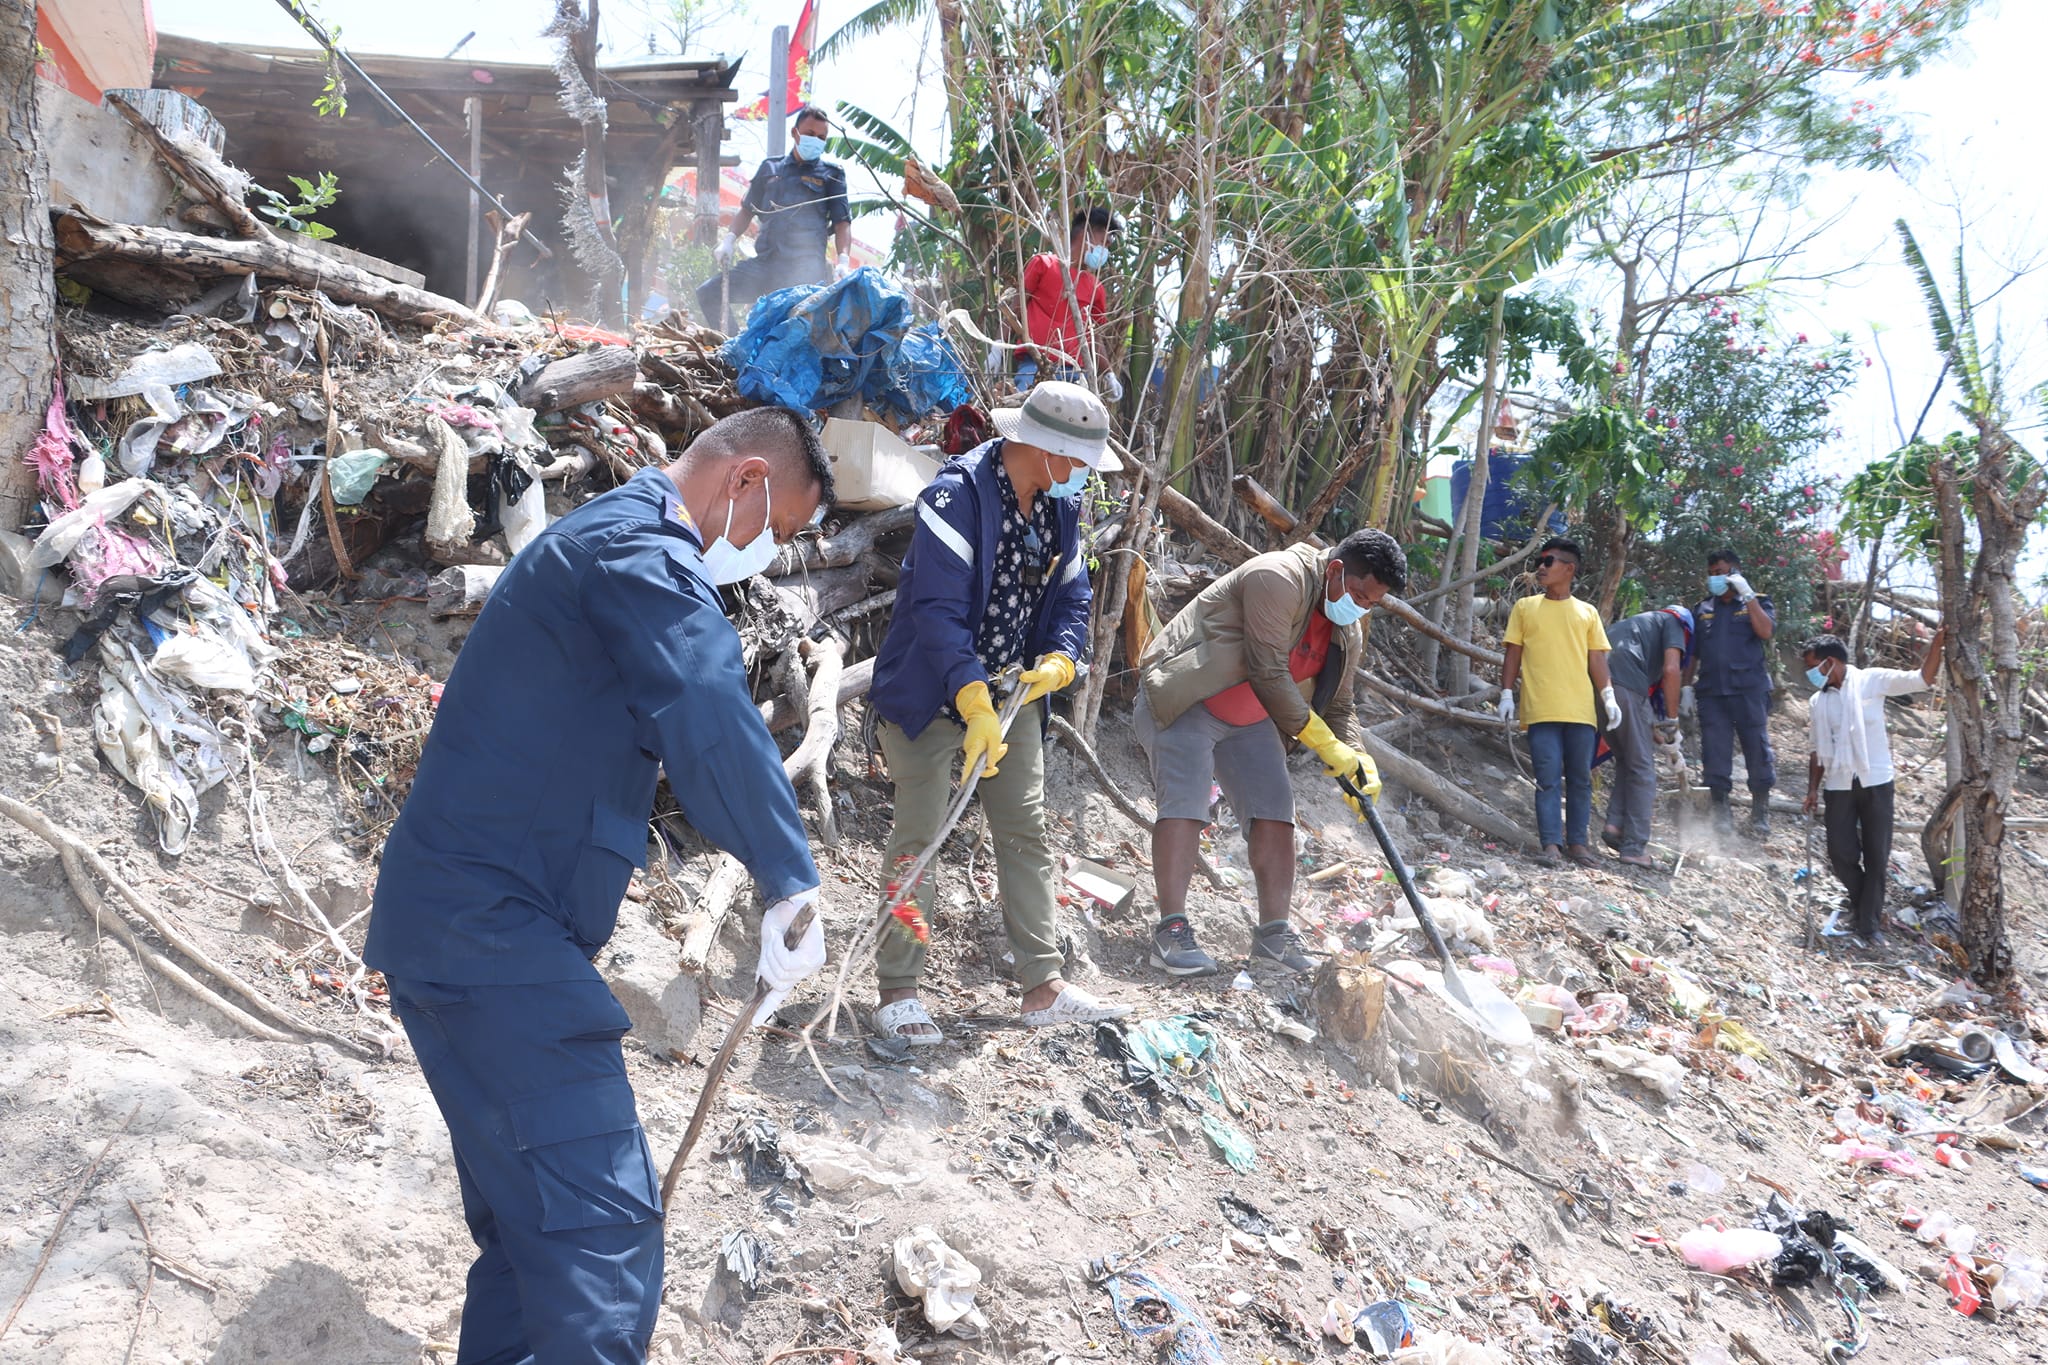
(1549, 560)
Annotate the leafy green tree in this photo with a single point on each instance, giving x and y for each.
(1719, 453)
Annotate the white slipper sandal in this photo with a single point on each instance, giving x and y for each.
(1073, 1006)
(891, 1020)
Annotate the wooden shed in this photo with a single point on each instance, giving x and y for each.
(402, 203)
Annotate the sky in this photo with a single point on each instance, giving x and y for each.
(1974, 117)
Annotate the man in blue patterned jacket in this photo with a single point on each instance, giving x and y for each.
(995, 577)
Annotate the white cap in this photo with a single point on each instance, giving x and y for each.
(1062, 419)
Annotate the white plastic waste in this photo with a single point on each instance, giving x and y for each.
(1447, 1348)
(1664, 1074)
(1455, 919)
(846, 1168)
(929, 1270)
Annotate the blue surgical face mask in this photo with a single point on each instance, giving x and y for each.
(1070, 487)
(809, 146)
(1818, 677)
(1717, 583)
(1095, 257)
(1342, 610)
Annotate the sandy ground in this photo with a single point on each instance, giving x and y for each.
(303, 1209)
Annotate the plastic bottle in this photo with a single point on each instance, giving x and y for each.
(1701, 1178)
(2024, 1284)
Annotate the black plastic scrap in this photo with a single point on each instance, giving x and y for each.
(1245, 1216)
(1589, 1346)
(757, 1142)
(743, 1256)
(1810, 1252)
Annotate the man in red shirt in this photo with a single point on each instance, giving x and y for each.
(1066, 350)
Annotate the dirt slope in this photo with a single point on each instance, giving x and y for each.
(303, 1207)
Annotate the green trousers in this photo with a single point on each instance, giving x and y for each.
(922, 770)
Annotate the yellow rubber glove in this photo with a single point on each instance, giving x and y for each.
(984, 731)
(1341, 760)
(1054, 672)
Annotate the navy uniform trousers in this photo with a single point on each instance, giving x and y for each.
(558, 1185)
(1725, 719)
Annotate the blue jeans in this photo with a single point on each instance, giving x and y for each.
(1562, 753)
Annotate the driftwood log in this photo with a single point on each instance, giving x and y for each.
(846, 546)
(1444, 794)
(183, 255)
(586, 377)
(854, 682)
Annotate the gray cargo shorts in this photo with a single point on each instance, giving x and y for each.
(1247, 761)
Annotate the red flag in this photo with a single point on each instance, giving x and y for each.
(801, 39)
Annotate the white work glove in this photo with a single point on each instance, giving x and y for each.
(1612, 707)
(1743, 592)
(1688, 707)
(841, 268)
(1672, 758)
(723, 252)
(1507, 707)
(1112, 386)
(783, 968)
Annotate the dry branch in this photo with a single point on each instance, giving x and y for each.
(853, 685)
(700, 930)
(82, 237)
(199, 178)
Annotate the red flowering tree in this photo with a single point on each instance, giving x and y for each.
(1719, 452)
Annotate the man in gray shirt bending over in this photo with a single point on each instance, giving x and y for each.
(1650, 652)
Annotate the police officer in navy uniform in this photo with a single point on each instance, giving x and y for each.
(800, 200)
(602, 655)
(1729, 685)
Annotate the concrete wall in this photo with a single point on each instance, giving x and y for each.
(97, 45)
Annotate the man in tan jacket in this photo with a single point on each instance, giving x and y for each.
(1264, 655)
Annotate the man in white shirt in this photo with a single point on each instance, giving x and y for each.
(1852, 765)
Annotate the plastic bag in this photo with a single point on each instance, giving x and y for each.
(353, 472)
(944, 1280)
(1720, 1250)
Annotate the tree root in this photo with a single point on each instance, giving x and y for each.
(77, 856)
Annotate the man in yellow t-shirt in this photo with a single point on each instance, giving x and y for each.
(1557, 651)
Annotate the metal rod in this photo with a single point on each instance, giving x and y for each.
(473, 114)
(319, 35)
(778, 88)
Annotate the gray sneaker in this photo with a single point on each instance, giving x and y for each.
(1174, 951)
(1277, 944)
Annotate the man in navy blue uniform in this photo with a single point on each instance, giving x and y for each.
(996, 577)
(800, 200)
(1729, 685)
(602, 655)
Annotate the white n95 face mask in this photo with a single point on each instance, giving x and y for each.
(729, 563)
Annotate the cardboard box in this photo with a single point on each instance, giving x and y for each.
(874, 467)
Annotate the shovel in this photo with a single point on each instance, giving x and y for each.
(1452, 983)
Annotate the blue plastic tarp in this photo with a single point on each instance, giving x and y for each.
(1507, 513)
(810, 346)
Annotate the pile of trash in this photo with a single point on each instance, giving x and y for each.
(199, 478)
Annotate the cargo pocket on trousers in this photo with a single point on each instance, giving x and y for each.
(589, 1157)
